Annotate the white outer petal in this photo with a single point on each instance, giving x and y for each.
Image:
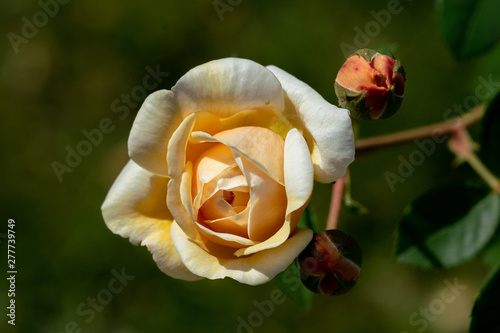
(329, 126)
(135, 208)
(228, 86)
(153, 127)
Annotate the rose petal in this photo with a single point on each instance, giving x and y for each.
(355, 72)
(299, 181)
(230, 178)
(327, 128)
(241, 198)
(267, 202)
(185, 189)
(299, 171)
(207, 123)
(260, 145)
(225, 239)
(253, 270)
(258, 118)
(216, 207)
(277, 239)
(227, 86)
(153, 127)
(135, 208)
(385, 65)
(212, 163)
(236, 224)
(179, 187)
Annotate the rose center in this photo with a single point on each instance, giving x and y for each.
(228, 196)
(238, 185)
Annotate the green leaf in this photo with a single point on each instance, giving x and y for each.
(484, 317)
(491, 253)
(490, 136)
(448, 225)
(289, 281)
(469, 27)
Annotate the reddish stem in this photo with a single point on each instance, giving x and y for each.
(462, 145)
(335, 203)
(446, 127)
(367, 144)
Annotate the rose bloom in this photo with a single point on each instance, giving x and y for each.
(222, 166)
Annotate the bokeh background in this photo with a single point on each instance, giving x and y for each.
(65, 79)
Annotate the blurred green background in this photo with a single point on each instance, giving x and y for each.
(64, 79)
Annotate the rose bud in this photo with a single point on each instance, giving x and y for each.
(331, 263)
(370, 85)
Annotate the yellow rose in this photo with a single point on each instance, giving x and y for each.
(222, 166)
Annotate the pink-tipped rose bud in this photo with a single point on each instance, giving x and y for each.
(370, 85)
(331, 263)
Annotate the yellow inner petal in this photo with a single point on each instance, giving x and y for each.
(238, 186)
